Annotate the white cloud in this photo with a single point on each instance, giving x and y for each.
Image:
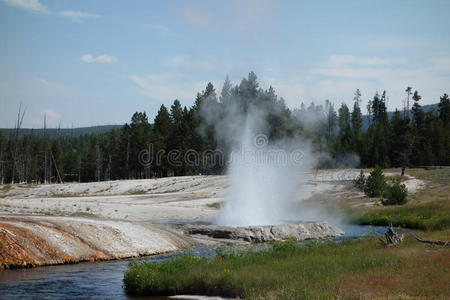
(248, 18)
(349, 66)
(351, 72)
(251, 17)
(77, 15)
(337, 78)
(51, 114)
(104, 58)
(341, 60)
(34, 6)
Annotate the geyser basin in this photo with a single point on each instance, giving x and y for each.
(258, 234)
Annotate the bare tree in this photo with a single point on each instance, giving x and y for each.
(408, 93)
(2, 162)
(17, 127)
(45, 150)
(56, 167)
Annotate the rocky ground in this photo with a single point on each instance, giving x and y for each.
(60, 223)
(260, 234)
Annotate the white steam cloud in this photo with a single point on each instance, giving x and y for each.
(267, 172)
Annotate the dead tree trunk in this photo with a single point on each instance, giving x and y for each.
(433, 242)
(17, 126)
(56, 167)
(392, 237)
(45, 149)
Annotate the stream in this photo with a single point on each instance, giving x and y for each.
(102, 280)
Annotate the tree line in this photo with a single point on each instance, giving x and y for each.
(409, 138)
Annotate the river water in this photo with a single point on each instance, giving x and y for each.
(99, 280)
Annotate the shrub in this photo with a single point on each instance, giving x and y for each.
(375, 183)
(360, 181)
(395, 194)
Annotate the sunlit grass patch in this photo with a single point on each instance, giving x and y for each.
(6, 188)
(352, 269)
(287, 269)
(440, 176)
(215, 205)
(425, 217)
(427, 209)
(66, 195)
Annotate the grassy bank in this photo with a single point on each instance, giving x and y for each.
(354, 269)
(427, 209)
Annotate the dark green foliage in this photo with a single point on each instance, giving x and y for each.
(401, 140)
(357, 124)
(155, 279)
(344, 128)
(424, 217)
(376, 183)
(360, 181)
(444, 110)
(396, 194)
(422, 138)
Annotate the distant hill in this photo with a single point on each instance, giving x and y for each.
(426, 108)
(63, 132)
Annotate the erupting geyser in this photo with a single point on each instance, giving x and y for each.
(267, 161)
(263, 179)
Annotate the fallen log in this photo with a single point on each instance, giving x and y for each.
(433, 242)
(392, 238)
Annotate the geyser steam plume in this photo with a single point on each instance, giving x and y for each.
(263, 180)
(264, 174)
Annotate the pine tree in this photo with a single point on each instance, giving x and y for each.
(357, 124)
(444, 110)
(162, 129)
(225, 94)
(378, 132)
(401, 141)
(344, 127)
(248, 91)
(175, 142)
(444, 116)
(89, 161)
(331, 120)
(420, 139)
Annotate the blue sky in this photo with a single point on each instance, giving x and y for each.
(97, 62)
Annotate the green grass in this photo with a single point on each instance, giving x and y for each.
(82, 214)
(427, 209)
(6, 188)
(290, 271)
(137, 192)
(215, 205)
(424, 217)
(66, 195)
(438, 176)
